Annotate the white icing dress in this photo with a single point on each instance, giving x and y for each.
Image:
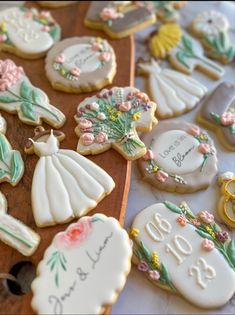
(65, 184)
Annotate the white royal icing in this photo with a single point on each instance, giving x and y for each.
(204, 278)
(176, 152)
(96, 263)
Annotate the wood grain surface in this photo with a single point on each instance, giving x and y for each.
(19, 201)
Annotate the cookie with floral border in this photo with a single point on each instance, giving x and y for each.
(212, 27)
(218, 114)
(119, 19)
(188, 55)
(226, 205)
(19, 96)
(84, 269)
(185, 253)
(11, 163)
(16, 234)
(112, 118)
(180, 158)
(55, 4)
(81, 64)
(27, 32)
(174, 92)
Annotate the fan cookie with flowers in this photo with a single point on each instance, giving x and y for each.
(27, 32)
(81, 64)
(84, 269)
(119, 19)
(218, 114)
(111, 118)
(212, 27)
(180, 158)
(185, 253)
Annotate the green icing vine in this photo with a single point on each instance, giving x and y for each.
(56, 262)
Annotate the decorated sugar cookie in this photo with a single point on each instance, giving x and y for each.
(55, 4)
(212, 29)
(65, 184)
(167, 10)
(185, 253)
(180, 158)
(11, 163)
(112, 118)
(16, 234)
(19, 96)
(188, 55)
(119, 18)
(26, 32)
(174, 92)
(84, 269)
(81, 64)
(218, 113)
(226, 206)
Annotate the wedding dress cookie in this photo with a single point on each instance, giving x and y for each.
(19, 96)
(84, 269)
(14, 233)
(174, 92)
(218, 113)
(112, 118)
(181, 158)
(26, 32)
(81, 64)
(11, 163)
(65, 184)
(185, 253)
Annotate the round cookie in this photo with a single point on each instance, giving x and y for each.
(180, 158)
(81, 64)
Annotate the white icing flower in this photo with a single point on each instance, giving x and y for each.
(94, 106)
(225, 176)
(211, 23)
(101, 116)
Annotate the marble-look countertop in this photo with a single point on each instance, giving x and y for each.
(139, 295)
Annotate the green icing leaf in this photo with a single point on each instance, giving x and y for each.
(232, 128)
(27, 110)
(223, 40)
(57, 280)
(4, 148)
(231, 252)
(16, 166)
(146, 252)
(7, 99)
(187, 43)
(165, 274)
(216, 118)
(37, 96)
(216, 227)
(25, 91)
(172, 207)
(230, 53)
(204, 235)
(181, 56)
(2, 173)
(55, 33)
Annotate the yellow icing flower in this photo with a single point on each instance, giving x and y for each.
(155, 260)
(3, 27)
(62, 71)
(98, 39)
(155, 168)
(113, 117)
(210, 231)
(168, 36)
(134, 232)
(136, 116)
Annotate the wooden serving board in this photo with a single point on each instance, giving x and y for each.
(19, 201)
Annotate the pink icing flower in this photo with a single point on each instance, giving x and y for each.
(87, 138)
(195, 222)
(96, 47)
(59, 58)
(125, 106)
(222, 236)
(84, 124)
(76, 72)
(161, 176)
(148, 155)
(45, 14)
(207, 245)
(228, 119)
(143, 266)
(194, 131)
(3, 37)
(46, 28)
(206, 217)
(105, 56)
(109, 14)
(75, 235)
(204, 148)
(28, 14)
(181, 220)
(154, 275)
(9, 74)
(101, 137)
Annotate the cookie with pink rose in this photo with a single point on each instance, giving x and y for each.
(184, 253)
(180, 158)
(218, 114)
(84, 269)
(81, 64)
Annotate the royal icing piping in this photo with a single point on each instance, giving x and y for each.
(84, 268)
(173, 91)
(14, 233)
(65, 184)
(28, 30)
(18, 95)
(112, 117)
(193, 256)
